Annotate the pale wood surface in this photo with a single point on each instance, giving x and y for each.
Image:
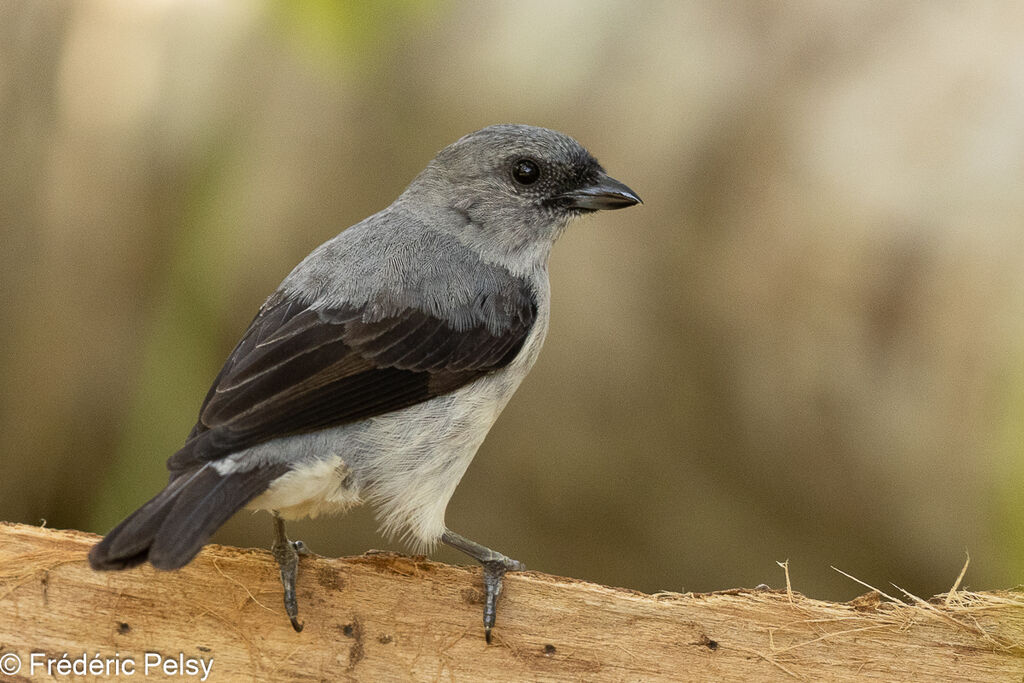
(383, 617)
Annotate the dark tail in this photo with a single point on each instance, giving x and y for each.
(169, 530)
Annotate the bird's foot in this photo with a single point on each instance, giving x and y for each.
(494, 572)
(287, 552)
(495, 566)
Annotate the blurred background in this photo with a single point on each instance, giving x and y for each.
(807, 344)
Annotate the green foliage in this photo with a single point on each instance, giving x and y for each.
(347, 35)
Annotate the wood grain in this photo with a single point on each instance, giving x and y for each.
(382, 617)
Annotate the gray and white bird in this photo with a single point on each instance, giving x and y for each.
(376, 369)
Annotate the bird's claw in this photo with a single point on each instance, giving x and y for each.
(494, 572)
(287, 555)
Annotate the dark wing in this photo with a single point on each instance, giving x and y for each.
(298, 369)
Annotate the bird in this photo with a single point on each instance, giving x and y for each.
(375, 370)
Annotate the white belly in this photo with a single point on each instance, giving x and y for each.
(315, 488)
(406, 463)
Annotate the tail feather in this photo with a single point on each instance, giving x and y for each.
(201, 510)
(169, 530)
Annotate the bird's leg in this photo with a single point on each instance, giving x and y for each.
(495, 565)
(287, 553)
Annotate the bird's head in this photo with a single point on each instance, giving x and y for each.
(517, 186)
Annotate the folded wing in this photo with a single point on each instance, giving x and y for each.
(300, 369)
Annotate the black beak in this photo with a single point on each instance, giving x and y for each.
(606, 193)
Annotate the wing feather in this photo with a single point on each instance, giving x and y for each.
(300, 369)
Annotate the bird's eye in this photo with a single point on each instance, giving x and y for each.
(525, 171)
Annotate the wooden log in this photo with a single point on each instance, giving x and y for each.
(383, 616)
